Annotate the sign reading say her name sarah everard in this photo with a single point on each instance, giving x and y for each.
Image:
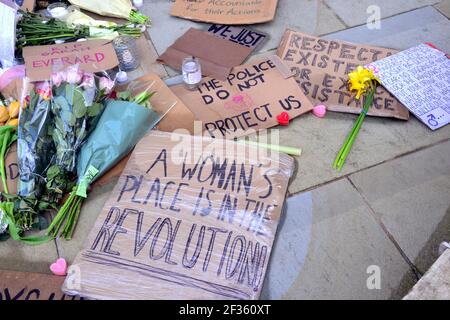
(190, 218)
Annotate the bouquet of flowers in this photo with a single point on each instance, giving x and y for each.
(20, 213)
(76, 107)
(9, 113)
(34, 29)
(124, 122)
(364, 82)
(113, 8)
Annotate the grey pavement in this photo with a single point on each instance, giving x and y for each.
(385, 213)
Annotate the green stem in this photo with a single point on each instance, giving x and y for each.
(348, 144)
(6, 137)
(60, 216)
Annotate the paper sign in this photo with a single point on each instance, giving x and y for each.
(217, 56)
(239, 34)
(226, 11)
(31, 286)
(8, 12)
(322, 66)
(92, 56)
(420, 78)
(250, 100)
(190, 218)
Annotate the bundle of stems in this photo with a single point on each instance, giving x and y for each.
(348, 144)
(34, 29)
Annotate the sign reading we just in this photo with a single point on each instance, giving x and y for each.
(91, 56)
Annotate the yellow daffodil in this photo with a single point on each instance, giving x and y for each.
(361, 80)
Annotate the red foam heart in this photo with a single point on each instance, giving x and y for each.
(283, 119)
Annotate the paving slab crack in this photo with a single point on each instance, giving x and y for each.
(418, 274)
(369, 167)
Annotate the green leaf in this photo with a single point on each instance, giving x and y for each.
(53, 172)
(95, 109)
(79, 107)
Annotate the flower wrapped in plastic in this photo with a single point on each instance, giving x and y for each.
(122, 125)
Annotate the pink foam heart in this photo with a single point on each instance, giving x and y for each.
(59, 268)
(320, 111)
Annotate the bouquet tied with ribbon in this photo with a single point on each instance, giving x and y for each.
(77, 105)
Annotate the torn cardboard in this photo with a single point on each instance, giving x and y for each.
(321, 68)
(190, 218)
(230, 12)
(91, 56)
(250, 100)
(31, 286)
(217, 56)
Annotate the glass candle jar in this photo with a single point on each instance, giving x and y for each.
(192, 73)
(126, 51)
(57, 10)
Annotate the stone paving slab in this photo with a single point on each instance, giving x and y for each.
(89, 213)
(354, 13)
(444, 7)
(326, 241)
(305, 15)
(411, 195)
(380, 139)
(403, 31)
(17, 256)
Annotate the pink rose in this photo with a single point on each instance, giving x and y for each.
(57, 78)
(106, 84)
(74, 75)
(88, 81)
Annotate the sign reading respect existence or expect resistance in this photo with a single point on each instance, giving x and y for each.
(249, 100)
(190, 218)
(322, 66)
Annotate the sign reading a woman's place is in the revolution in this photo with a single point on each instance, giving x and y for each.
(193, 220)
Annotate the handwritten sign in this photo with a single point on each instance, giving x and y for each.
(91, 56)
(190, 218)
(249, 100)
(31, 286)
(321, 67)
(420, 78)
(239, 34)
(226, 11)
(11, 170)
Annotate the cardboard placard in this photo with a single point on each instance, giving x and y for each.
(239, 34)
(321, 67)
(420, 78)
(217, 56)
(92, 56)
(11, 170)
(190, 218)
(250, 100)
(226, 11)
(31, 286)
